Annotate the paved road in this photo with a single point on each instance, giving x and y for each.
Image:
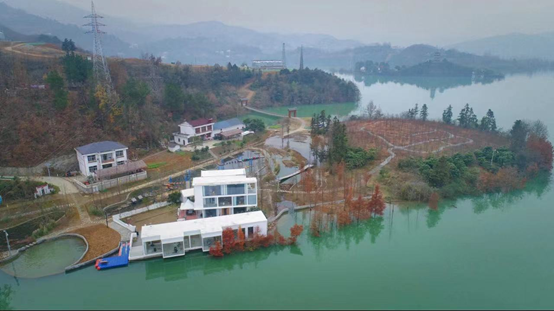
(66, 186)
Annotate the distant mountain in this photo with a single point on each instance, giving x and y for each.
(29, 24)
(11, 35)
(516, 45)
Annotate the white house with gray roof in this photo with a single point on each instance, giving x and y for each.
(101, 155)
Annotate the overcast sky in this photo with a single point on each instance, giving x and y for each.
(401, 22)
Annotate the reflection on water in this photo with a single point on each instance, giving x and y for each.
(5, 297)
(432, 84)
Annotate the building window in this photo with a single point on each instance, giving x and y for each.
(208, 242)
(107, 157)
(250, 231)
(209, 127)
(210, 202)
(240, 200)
(225, 201)
(252, 188)
(212, 190)
(93, 168)
(119, 153)
(235, 189)
(107, 165)
(195, 241)
(91, 158)
(252, 200)
(187, 242)
(120, 162)
(210, 213)
(197, 130)
(154, 247)
(239, 210)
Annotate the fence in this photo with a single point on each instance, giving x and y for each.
(110, 183)
(117, 218)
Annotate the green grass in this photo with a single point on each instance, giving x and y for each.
(156, 165)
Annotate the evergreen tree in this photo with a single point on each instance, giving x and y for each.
(416, 111)
(447, 115)
(339, 142)
(174, 98)
(57, 86)
(473, 122)
(492, 121)
(518, 136)
(424, 113)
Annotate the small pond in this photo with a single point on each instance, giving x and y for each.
(45, 259)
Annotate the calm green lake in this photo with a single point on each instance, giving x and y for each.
(494, 251)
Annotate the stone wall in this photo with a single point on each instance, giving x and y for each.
(63, 163)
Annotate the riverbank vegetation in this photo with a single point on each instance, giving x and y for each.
(233, 241)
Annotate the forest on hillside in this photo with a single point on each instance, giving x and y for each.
(302, 87)
(50, 106)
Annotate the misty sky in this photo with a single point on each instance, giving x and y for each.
(437, 22)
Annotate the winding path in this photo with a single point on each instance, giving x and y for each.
(392, 146)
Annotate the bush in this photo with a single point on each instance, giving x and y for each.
(96, 211)
(174, 198)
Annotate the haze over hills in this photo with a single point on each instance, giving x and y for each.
(515, 45)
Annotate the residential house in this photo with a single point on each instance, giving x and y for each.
(219, 193)
(228, 128)
(100, 155)
(42, 190)
(201, 128)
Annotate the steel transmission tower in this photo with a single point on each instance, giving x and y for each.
(101, 71)
(284, 57)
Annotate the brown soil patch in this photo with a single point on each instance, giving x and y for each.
(169, 161)
(158, 216)
(101, 240)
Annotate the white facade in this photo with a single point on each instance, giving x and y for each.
(92, 159)
(175, 238)
(42, 190)
(202, 128)
(220, 193)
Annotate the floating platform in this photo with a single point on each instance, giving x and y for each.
(121, 260)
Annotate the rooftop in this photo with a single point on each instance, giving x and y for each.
(228, 123)
(212, 225)
(99, 147)
(216, 173)
(199, 122)
(222, 177)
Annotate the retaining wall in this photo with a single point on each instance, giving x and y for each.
(110, 183)
(117, 217)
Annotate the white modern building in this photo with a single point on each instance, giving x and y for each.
(100, 155)
(219, 193)
(202, 128)
(176, 238)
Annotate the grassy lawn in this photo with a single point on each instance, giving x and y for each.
(156, 165)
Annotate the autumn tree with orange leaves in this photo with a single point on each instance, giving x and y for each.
(228, 237)
(216, 250)
(295, 232)
(241, 240)
(377, 204)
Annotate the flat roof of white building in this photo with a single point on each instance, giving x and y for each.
(217, 173)
(222, 177)
(205, 226)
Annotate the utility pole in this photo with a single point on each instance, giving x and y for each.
(8, 242)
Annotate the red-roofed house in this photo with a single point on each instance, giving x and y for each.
(202, 128)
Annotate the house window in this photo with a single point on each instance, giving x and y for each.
(235, 189)
(210, 213)
(107, 165)
(250, 231)
(91, 158)
(252, 188)
(212, 190)
(197, 130)
(210, 202)
(240, 200)
(195, 241)
(107, 157)
(120, 162)
(225, 201)
(252, 200)
(119, 153)
(209, 127)
(93, 168)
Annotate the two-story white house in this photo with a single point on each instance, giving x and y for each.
(100, 155)
(202, 128)
(219, 193)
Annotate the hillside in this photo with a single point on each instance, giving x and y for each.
(515, 45)
(28, 24)
(36, 124)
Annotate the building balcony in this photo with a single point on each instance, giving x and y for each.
(106, 161)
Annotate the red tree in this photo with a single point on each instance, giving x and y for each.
(541, 150)
(216, 250)
(295, 231)
(239, 243)
(377, 203)
(228, 237)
